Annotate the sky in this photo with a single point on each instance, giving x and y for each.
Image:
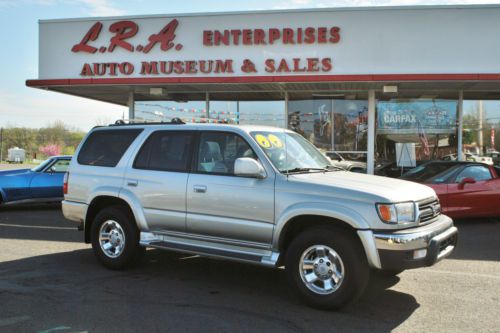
(23, 106)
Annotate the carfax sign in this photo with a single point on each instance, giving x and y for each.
(433, 117)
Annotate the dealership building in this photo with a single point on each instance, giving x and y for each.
(399, 84)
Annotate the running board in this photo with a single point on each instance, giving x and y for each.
(266, 258)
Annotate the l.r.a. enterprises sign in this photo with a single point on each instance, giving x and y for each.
(122, 36)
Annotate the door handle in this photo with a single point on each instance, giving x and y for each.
(132, 182)
(199, 188)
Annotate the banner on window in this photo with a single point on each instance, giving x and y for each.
(431, 117)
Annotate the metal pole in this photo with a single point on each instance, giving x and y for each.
(207, 105)
(460, 125)
(131, 107)
(480, 142)
(370, 160)
(286, 125)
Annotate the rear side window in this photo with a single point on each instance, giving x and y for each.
(166, 151)
(106, 148)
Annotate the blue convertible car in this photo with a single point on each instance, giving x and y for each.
(43, 183)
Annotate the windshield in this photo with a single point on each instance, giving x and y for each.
(42, 165)
(426, 172)
(290, 151)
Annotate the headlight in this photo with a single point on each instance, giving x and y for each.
(404, 212)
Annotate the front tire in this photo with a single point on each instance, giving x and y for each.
(326, 267)
(115, 238)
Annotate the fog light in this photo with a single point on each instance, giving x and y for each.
(419, 254)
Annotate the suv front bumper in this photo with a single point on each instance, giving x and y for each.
(416, 247)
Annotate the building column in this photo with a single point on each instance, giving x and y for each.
(370, 159)
(131, 107)
(285, 125)
(460, 125)
(207, 105)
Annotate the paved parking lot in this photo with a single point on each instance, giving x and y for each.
(50, 282)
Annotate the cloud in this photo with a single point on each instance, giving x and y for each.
(101, 8)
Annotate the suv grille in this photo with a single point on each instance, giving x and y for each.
(429, 209)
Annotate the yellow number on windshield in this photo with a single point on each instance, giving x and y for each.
(263, 141)
(275, 141)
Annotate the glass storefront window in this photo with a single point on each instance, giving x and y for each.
(269, 113)
(189, 112)
(481, 122)
(411, 131)
(337, 125)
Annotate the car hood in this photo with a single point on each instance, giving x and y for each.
(362, 186)
(16, 172)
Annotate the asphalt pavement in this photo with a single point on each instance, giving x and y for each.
(51, 282)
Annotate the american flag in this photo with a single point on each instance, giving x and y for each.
(423, 139)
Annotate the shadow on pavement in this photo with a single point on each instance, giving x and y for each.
(37, 222)
(176, 292)
(477, 240)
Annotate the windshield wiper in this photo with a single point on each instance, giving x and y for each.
(304, 170)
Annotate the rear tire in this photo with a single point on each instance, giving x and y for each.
(115, 238)
(327, 267)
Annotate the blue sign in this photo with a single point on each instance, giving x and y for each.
(431, 117)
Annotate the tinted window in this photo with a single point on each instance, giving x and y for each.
(59, 166)
(165, 151)
(476, 172)
(426, 172)
(218, 151)
(106, 148)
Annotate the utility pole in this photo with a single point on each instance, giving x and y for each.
(480, 128)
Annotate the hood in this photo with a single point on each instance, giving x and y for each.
(15, 172)
(363, 186)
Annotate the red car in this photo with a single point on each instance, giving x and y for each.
(465, 189)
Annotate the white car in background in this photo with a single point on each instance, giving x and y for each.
(470, 157)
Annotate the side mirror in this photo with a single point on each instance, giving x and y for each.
(464, 181)
(248, 167)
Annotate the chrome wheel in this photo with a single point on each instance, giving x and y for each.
(112, 239)
(321, 269)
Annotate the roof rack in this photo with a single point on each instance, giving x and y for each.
(173, 121)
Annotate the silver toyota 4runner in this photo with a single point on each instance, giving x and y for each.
(256, 194)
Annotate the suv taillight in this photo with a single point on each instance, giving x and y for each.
(65, 183)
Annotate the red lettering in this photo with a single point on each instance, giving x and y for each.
(270, 66)
(274, 34)
(86, 70)
(112, 68)
(126, 68)
(312, 64)
(288, 36)
(321, 35)
(191, 67)
(178, 67)
(326, 64)
(123, 30)
(163, 67)
(203, 68)
(259, 36)
(335, 35)
(299, 36)
(165, 37)
(296, 65)
(310, 35)
(221, 38)
(91, 35)
(283, 66)
(225, 66)
(236, 36)
(207, 38)
(149, 67)
(247, 37)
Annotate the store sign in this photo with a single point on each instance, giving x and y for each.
(428, 117)
(310, 43)
(122, 33)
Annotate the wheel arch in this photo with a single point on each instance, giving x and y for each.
(97, 204)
